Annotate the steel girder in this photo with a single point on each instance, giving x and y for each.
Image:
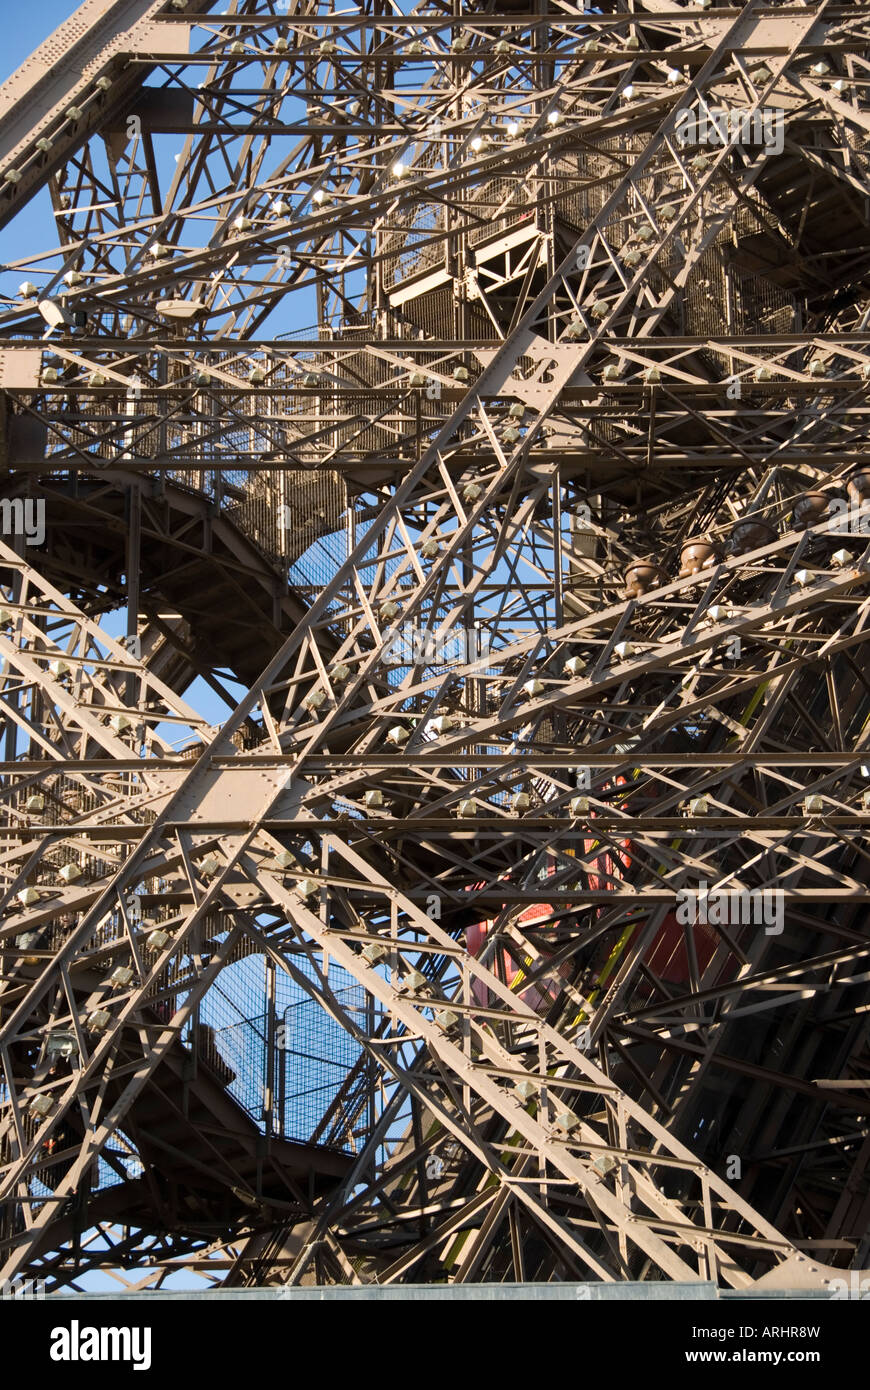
(542, 1096)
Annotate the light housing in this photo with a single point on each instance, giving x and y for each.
(413, 981)
(61, 1043)
(605, 1164)
(374, 952)
(446, 1019)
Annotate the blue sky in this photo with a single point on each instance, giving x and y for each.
(24, 28)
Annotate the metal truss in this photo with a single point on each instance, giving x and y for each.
(582, 416)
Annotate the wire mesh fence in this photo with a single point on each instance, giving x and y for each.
(287, 1065)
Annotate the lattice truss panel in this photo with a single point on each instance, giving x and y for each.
(580, 429)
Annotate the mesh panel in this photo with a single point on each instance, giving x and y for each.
(318, 1056)
(307, 1053)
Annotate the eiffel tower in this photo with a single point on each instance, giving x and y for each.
(436, 716)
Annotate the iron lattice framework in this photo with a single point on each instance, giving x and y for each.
(523, 559)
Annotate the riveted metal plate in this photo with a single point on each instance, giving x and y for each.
(19, 368)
